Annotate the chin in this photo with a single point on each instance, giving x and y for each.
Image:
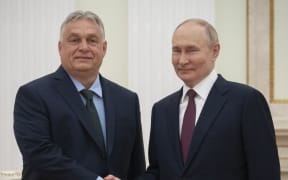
(83, 66)
(185, 76)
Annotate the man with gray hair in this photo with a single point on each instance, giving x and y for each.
(74, 124)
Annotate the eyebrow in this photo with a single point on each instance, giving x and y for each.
(89, 35)
(185, 47)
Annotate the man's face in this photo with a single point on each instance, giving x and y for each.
(193, 59)
(82, 48)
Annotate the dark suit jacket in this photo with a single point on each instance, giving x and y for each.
(233, 140)
(57, 141)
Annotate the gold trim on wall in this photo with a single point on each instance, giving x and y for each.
(272, 65)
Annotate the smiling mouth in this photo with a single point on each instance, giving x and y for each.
(82, 57)
(184, 70)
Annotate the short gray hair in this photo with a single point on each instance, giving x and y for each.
(210, 30)
(76, 15)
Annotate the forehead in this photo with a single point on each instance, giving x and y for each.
(189, 33)
(82, 26)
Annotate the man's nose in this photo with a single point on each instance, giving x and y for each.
(83, 45)
(183, 59)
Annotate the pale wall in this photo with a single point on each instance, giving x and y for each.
(230, 22)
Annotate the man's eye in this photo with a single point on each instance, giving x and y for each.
(191, 50)
(176, 51)
(73, 40)
(92, 41)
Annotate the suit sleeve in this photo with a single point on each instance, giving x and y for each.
(137, 165)
(152, 172)
(259, 139)
(32, 132)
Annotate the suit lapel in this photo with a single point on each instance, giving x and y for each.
(71, 96)
(172, 123)
(213, 105)
(109, 98)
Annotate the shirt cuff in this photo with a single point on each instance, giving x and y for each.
(99, 178)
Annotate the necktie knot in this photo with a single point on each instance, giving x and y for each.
(191, 94)
(87, 94)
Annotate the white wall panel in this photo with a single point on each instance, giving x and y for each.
(29, 35)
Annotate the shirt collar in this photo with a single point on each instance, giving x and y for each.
(203, 87)
(95, 87)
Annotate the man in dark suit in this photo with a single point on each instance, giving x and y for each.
(231, 134)
(56, 133)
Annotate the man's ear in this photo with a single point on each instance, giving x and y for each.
(104, 47)
(216, 50)
(59, 46)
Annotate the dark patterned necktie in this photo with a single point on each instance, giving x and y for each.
(88, 95)
(188, 124)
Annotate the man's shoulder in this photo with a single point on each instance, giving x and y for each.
(233, 86)
(114, 86)
(241, 87)
(237, 90)
(173, 97)
(39, 81)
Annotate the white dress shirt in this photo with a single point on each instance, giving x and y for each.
(202, 89)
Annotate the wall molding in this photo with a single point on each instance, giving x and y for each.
(261, 68)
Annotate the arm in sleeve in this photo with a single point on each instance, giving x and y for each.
(137, 164)
(32, 132)
(152, 172)
(259, 139)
